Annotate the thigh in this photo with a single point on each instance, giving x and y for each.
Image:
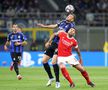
(72, 60)
(50, 50)
(16, 57)
(19, 56)
(61, 60)
(45, 58)
(54, 59)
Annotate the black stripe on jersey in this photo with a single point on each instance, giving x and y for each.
(15, 37)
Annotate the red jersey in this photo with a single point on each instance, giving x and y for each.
(65, 44)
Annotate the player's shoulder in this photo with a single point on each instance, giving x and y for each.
(62, 33)
(11, 33)
(72, 23)
(20, 33)
(63, 21)
(74, 39)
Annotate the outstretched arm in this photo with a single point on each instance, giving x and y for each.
(52, 26)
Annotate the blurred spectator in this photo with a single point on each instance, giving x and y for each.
(102, 5)
(84, 6)
(33, 46)
(10, 11)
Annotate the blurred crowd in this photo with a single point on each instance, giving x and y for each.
(35, 5)
(91, 5)
(19, 6)
(84, 10)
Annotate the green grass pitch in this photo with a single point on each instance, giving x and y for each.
(36, 79)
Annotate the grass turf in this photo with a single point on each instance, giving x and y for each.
(36, 79)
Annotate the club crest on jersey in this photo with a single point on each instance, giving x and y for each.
(19, 37)
(71, 43)
(66, 42)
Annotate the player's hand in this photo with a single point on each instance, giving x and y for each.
(47, 44)
(81, 62)
(5, 48)
(17, 43)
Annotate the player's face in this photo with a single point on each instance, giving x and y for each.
(14, 27)
(19, 29)
(70, 18)
(71, 32)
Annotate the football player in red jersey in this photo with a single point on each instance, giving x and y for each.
(65, 45)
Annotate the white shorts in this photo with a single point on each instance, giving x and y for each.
(70, 60)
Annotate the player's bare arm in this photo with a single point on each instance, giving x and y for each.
(52, 26)
(53, 35)
(79, 54)
(51, 38)
(49, 41)
(6, 44)
(21, 43)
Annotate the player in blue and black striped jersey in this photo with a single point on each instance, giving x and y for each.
(16, 41)
(52, 46)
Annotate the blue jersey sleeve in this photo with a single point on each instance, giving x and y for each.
(9, 37)
(72, 24)
(61, 22)
(23, 37)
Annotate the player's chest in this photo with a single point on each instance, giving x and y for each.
(15, 37)
(66, 42)
(64, 26)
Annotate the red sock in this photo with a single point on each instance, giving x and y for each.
(86, 76)
(66, 75)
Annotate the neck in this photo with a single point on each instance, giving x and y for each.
(69, 36)
(14, 32)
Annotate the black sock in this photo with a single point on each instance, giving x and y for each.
(56, 71)
(48, 70)
(15, 64)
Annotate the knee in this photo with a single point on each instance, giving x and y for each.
(45, 60)
(15, 63)
(54, 59)
(61, 65)
(82, 69)
(54, 62)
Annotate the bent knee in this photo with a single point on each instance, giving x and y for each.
(61, 65)
(45, 59)
(54, 61)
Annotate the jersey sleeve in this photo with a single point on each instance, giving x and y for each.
(23, 37)
(58, 24)
(8, 37)
(75, 44)
(72, 24)
(60, 34)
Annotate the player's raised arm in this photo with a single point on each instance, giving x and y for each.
(52, 26)
(51, 38)
(53, 35)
